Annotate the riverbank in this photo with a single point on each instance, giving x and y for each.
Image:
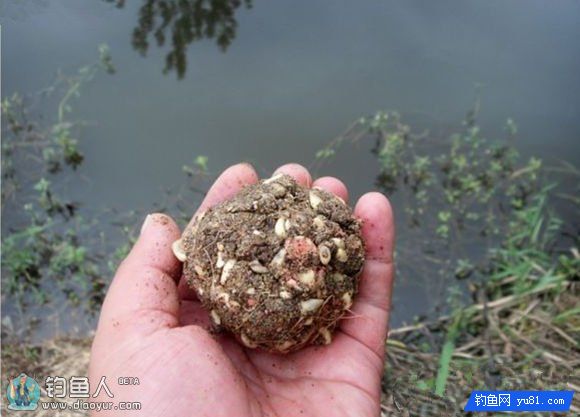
(529, 341)
(487, 250)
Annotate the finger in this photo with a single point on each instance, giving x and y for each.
(185, 292)
(227, 185)
(296, 171)
(192, 312)
(144, 290)
(332, 185)
(370, 312)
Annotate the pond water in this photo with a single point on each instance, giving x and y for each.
(295, 75)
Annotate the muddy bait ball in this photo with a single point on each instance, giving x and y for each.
(277, 265)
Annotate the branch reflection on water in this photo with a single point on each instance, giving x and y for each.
(184, 22)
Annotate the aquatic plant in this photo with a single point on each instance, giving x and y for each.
(45, 244)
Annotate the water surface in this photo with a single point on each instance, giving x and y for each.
(294, 77)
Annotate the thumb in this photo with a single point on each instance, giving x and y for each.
(143, 293)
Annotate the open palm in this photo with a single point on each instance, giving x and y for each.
(153, 328)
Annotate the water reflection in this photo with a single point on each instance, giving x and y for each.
(20, 10)
(184, 22)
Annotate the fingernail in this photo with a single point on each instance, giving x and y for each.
(145, 223)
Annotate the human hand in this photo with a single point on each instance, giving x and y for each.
(153, 328)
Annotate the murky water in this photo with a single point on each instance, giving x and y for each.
(295, 75)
